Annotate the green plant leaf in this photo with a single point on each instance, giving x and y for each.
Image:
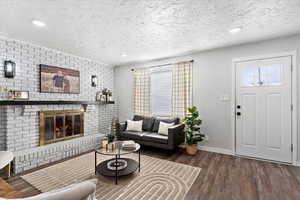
(192, 128)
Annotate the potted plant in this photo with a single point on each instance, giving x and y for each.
(109, 93)
(192, 130)
(110, 138)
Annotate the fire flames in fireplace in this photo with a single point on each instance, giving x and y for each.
(56, 126)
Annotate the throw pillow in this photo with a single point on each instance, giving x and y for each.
(134, 125)
(166, 120)
(163, 128)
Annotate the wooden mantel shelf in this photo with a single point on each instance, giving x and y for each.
(19, 102)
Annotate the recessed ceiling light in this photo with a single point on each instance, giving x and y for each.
(235, 30)
(38, 23)
(124, 55)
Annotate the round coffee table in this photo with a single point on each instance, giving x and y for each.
(118, 166)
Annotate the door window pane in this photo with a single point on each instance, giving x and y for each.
(250, 76)
(271, 74)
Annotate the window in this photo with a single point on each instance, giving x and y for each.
(161, 91)
(271, 74)
(250, 76)
(262, 75)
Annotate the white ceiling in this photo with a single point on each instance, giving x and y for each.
(146, 29)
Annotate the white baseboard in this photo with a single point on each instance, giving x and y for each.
(229, 152)
(216, 150)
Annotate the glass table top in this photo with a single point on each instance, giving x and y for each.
(118, 150)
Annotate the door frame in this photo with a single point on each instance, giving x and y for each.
(294, 86)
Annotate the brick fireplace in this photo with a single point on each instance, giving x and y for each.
(57, 126)
(20, 124)
(20, 130)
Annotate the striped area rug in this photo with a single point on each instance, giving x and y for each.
(158, 180)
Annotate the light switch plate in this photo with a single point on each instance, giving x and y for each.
(224, 97)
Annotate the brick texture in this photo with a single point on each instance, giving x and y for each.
(19, 125)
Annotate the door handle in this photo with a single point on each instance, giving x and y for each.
(238, 113)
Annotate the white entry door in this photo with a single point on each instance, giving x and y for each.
(264, 109)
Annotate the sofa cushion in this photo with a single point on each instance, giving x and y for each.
(166, 120)
(131, 135)
(154, 137)
(145, 136)
(147, 122)
(138, 117)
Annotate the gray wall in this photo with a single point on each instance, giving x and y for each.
(211, 80)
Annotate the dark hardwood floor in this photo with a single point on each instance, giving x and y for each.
(224, 177)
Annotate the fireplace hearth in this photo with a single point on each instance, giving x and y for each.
(56, 126)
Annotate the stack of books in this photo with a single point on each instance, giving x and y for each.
(128, 145)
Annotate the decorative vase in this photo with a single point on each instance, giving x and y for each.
(98, 96)
(104, 143)
(111, 146)
(115, 127)
(191, 149)
(102, 98)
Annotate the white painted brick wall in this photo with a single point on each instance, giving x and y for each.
(28, 57)
(19, 125)
(2, 128)
(31, 158)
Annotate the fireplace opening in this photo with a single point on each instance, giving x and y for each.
(57, 126)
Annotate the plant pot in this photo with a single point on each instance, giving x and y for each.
(111, 146)
(191, 149)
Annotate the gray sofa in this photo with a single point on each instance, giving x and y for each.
(150, 136)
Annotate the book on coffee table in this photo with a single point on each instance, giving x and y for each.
(128, 145)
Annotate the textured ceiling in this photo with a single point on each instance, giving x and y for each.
(146, 29)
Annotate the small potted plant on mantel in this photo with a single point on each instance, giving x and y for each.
(107, 94)
(192, 130)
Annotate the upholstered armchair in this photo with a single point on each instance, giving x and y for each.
(6, 158)
(82, 191)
